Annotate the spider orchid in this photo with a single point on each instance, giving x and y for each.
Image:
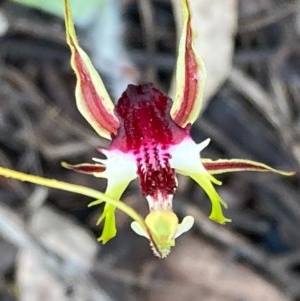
(150, 140)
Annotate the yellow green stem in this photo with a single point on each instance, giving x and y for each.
(79, 189)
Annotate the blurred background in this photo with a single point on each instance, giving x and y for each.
(48, 247)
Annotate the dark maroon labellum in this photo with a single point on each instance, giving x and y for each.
(147, 130)
(144, 115)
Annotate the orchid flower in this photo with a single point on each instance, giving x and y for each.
(150, 140)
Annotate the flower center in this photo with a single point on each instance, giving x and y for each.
(148, 132)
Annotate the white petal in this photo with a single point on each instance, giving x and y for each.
(120, 167)
(186, 224)
(185, 156)
(138, 229)
(203, 144)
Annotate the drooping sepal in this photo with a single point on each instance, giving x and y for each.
(92, 99)
(190, 74)
(205, 180)
(185, 160)
(108, 218)
(233, 165)
(108, 215)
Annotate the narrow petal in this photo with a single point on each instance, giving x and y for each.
(234, 165)
(93, 169)
(190, 74)
(92, 99)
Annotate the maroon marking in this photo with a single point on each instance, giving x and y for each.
(231, 165)
(157, 178)
(191, 80)
(86, 168)
(93, 101)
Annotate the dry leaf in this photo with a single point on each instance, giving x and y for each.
(59, 269)
(204, 273)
